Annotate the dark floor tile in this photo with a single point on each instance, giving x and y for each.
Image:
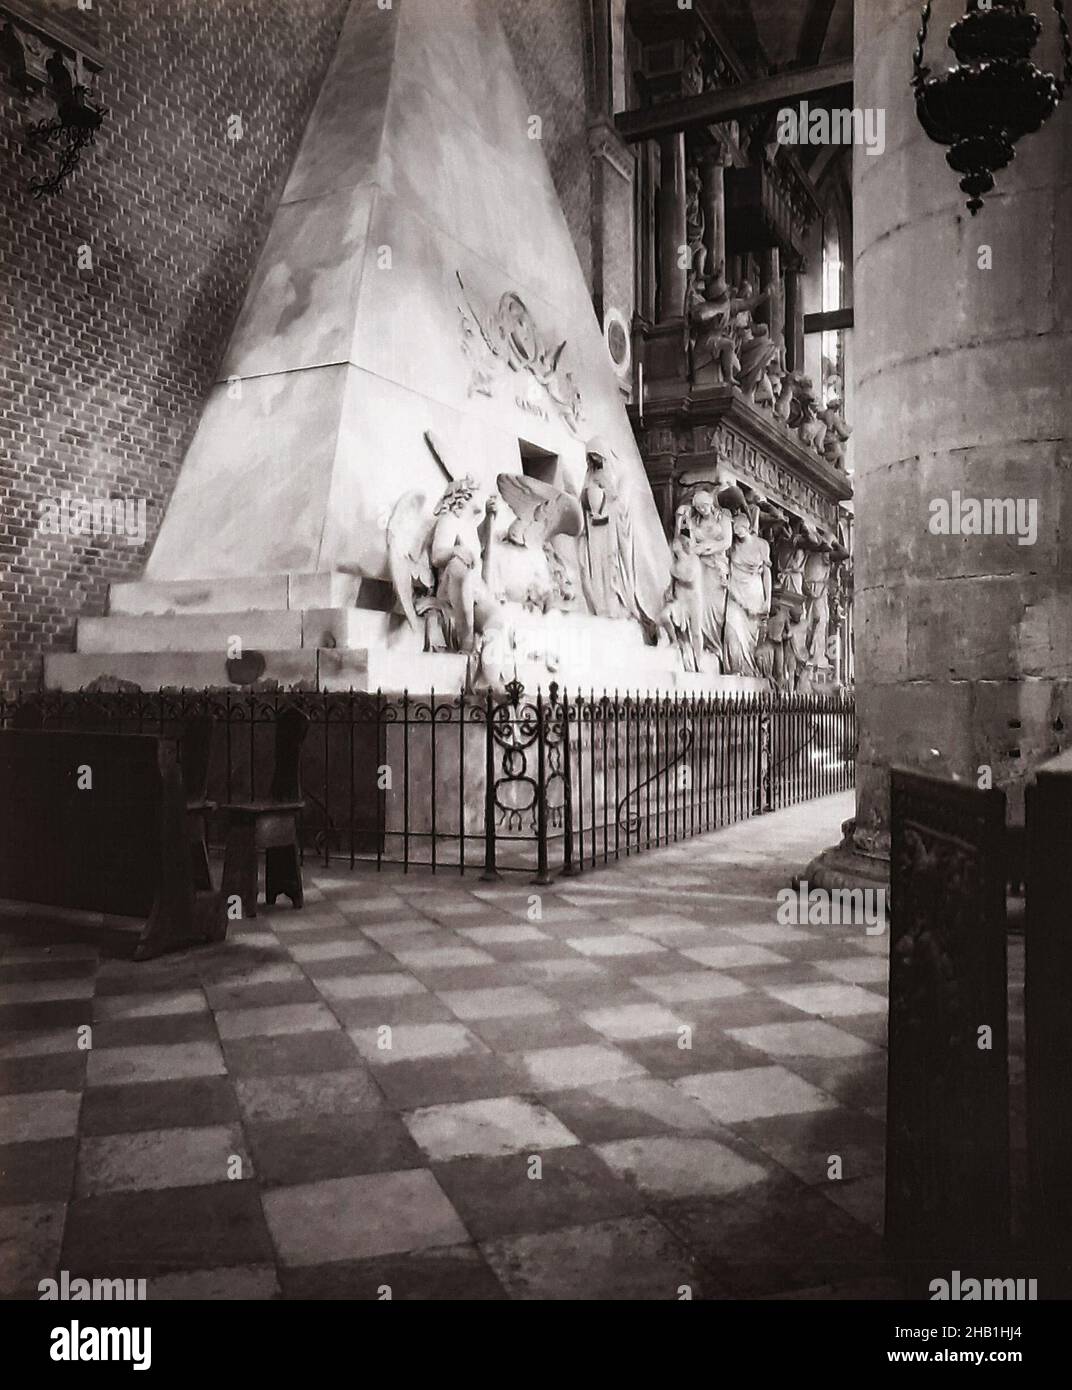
(166, 975)
(599, 992)
(763, 977)
(57, 1071)
(779, 1235)
(290, 1054)
(409, 1085)
(198, 1101)
(260, 996)
(748, 1010)
(870, 1027)
(331, 967)
(626, 1258)
(456, 1272)
(46, 1013)
(305, 1150)
(498, 1196)
(858, 1082)
(805, 1144)
(46, 969)
(530, 1032)
(37, 931)
(159, 1030)
(495, 976)
(816, 950)
(711, 1050)
(138, 1234)
(521, 950)
(39, 1171)
(374, 1013)
(597, 1119)
(234, 961)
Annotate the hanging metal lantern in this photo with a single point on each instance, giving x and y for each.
(994, 95)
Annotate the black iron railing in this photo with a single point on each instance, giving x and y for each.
(546, 783)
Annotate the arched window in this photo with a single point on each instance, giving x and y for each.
(833, 295)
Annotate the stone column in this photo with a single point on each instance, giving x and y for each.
(794, 320)
(961, 386)
(772, 312)
(714, 207)
(672, 235)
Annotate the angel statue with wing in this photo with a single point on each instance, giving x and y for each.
(438, 558)
(533, 566)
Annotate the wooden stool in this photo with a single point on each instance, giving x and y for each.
(270, 825)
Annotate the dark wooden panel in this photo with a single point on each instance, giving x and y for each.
(97, 849)
(947, 1144)
(1048, 1004)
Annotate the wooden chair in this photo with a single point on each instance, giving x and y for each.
(271, 825)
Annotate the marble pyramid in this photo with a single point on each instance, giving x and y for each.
(418, 277)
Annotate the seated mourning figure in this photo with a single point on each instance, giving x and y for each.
(439, 558)
(837, 434)
(811, 430)
(752, 341)
(709, 313)
(786, 395)
(769, 388)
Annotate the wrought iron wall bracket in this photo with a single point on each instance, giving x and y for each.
(45, 58)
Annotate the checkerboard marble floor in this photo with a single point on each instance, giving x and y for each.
(633, 1084)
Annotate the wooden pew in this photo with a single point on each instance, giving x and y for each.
(98, 822)
(947, 1114)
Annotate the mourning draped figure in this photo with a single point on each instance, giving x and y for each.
(710, 532)
(749, 598)
(606, 543)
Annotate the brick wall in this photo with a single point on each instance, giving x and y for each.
(104, 368)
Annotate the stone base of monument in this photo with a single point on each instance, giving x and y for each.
(847, 866)
(336, 631)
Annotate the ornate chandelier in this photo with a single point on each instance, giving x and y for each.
(995, 93)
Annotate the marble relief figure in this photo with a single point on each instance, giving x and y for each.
(709, 313)
(837, 434)
(683, 614)
(453, 571)
(749, 591)
(789, 558)
(709, 529)
(531, 566)
(754, 345)
(823, 554)
(606, 543)
(439, 562)
(749, 598)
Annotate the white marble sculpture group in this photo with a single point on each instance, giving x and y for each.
(750, 589)
(748, 593)
(725, 340)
